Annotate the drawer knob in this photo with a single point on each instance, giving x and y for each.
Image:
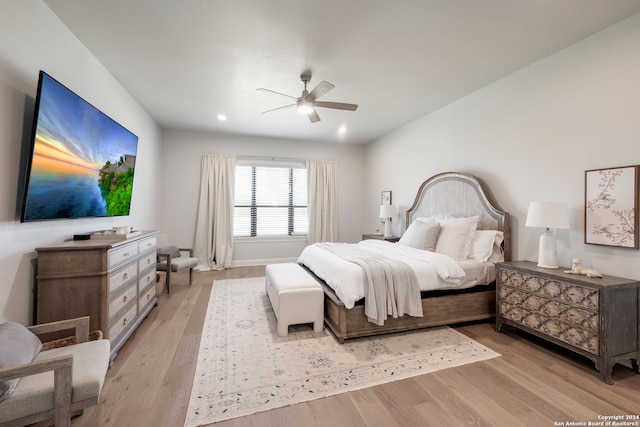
(125, 254)
(125, 276)
(124, 321)
(124, 299)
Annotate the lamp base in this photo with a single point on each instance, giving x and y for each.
(387, 227)
(547, 253)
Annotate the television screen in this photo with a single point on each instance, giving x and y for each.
(82, 162)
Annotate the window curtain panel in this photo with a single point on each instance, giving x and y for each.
(323, 201)
(213, 244)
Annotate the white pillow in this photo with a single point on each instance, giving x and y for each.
(455, 237)
(497, 254)
(18, 346)
(421, 235)
(482, 245)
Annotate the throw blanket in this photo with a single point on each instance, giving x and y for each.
(391, 288)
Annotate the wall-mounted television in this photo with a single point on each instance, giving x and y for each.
(81, 163)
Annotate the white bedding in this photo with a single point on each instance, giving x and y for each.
(348, 282)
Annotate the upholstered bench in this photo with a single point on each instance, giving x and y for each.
(296, 297)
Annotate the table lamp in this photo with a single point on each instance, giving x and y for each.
(387, 212)
(548, 215)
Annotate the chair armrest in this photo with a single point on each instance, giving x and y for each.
(190, 250)
(164, 257)
(33, 368)
(80, 324)
(62, 382)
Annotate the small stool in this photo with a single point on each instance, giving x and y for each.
(296, 297)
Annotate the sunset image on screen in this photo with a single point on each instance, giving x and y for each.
(82, 163)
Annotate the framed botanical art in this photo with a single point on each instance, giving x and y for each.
(385, 198)
(611, 207)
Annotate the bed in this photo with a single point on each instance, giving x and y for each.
(446, 195)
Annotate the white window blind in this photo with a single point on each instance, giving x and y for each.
(270, 199)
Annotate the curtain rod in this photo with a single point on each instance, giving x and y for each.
(272, 158)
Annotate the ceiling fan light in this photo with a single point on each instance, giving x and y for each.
(305, 107)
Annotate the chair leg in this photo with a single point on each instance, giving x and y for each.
(190, 272)
(168, 280)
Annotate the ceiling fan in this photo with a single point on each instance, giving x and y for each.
(307, 102)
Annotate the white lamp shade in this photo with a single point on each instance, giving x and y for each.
(548, 215)
(387, 211)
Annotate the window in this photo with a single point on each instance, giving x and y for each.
(270, 200)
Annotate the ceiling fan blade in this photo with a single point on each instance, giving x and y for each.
(279, 108)
(322, 88)
(277, 93)
(336, 105)
(314, 117)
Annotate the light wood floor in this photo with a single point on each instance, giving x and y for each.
(532, 384)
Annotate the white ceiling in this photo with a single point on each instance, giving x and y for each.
(186, 61)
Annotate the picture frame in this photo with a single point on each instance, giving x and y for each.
(385, 198)
(611, 207)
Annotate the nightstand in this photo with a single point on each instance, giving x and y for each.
(597, 318)
(392, 239)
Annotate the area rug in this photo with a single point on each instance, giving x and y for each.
(244, 367)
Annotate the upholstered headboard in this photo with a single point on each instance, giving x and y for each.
(460, 195)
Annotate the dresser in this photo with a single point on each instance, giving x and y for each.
(112, 281)
(595, 317)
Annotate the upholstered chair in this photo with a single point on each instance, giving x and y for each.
(174, 259)
(38, 385)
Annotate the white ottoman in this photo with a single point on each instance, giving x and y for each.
(296, 297)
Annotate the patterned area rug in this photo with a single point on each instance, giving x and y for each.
(244, 367)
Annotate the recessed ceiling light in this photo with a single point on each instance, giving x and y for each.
(342, 130)
(222, 117)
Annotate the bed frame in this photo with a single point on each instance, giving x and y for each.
(449, 193)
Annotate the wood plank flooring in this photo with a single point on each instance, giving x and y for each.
(532, 384)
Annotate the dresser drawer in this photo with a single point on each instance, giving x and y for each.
(146, 297)
(122, 276)
(122, 255)
(147, 244)
(585, 339)
(147, 261)
(574, 315)
(147, 279)
(549, 288)
(122, 322)
(116, 304)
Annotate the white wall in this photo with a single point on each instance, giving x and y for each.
(530, 136)
(33, 38)
(182, 151)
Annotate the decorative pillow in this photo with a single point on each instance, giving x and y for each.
(482, 245)
(18, 346)
(169, 250)
(455, 237)
(497, 254)
(421, 235)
